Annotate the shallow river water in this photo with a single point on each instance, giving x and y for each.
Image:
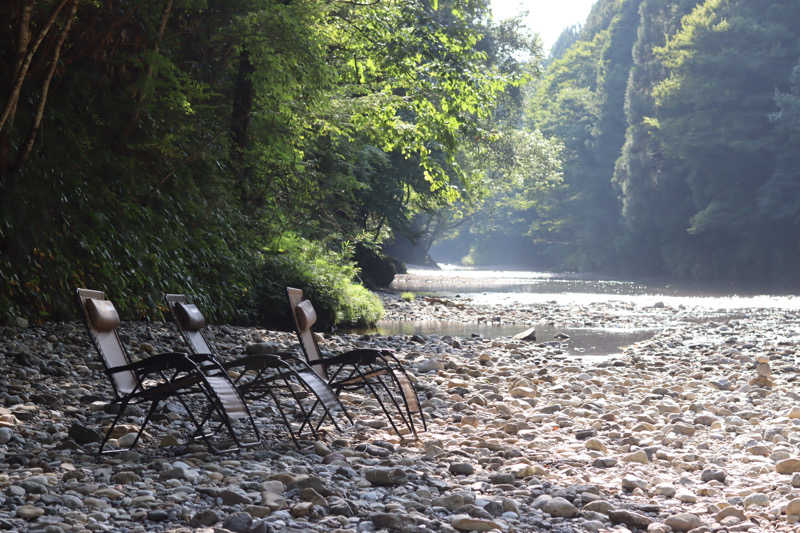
(518, 287)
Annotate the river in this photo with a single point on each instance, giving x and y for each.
(519, 287)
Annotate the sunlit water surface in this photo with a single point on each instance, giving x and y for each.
(510, 287)
(518, 287)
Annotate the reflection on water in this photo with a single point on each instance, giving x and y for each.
(510, 287)
(580, 341)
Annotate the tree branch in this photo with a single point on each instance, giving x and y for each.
(23, 40)
(13, 98)
(37, 121)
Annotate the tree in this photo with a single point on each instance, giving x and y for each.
(27, 46)
(653, 206)
(580, 101)
(566, 39)
(712, 115)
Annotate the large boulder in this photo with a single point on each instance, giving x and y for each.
(377, 270)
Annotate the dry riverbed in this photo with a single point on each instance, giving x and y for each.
(695, 429)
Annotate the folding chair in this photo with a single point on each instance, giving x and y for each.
(261, 375)
(161, 377)
(377, 371)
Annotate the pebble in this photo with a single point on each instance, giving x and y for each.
(757, 499)
(29, 512)
(598, 506)
(793, 507)
(240, 522)
(713, 474)
(233, 496)
(684, 522)
(665, 489)
(639, 456)
(157, 515)
(629, 518)
(204, 518)
(385, 476)
(730, 512)
(391, 521)
(788, 466)
(558, 506)
(596, 445)
(631, 483)
(462, 469)
(464, 522)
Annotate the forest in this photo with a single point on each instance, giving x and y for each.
(679, 121)
(227, 149)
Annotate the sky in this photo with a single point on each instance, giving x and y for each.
(545, 17)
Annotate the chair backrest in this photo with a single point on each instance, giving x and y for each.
(190, 322)
(102, 321)
(304, 317)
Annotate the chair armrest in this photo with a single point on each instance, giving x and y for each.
(201, 357)
(157, 363)
(254, 362)
(362, 356)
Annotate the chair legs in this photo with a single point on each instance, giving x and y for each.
(213, 389)
(221, 385)
(275, 374)
(408, 391)
(325, 397)
(371, 379)
(123, 405)
(388, 384)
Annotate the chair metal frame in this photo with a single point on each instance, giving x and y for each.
(178, 375)
(362, 369)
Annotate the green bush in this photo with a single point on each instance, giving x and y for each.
(408, 296)
(326, 278)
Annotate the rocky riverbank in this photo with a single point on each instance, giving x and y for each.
(695, 429)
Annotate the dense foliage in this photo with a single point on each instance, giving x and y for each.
(177, 145)
(326, 277)
(679, 120)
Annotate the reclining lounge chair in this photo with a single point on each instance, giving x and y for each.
(261, 375)
(163, 377)
(377, 371)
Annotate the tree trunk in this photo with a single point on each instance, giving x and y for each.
(25, 8)
(37, 121)
(240, 121)
(13, 98)
(23, 40)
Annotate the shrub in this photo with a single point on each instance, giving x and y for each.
(326, 278)
(408, 296)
